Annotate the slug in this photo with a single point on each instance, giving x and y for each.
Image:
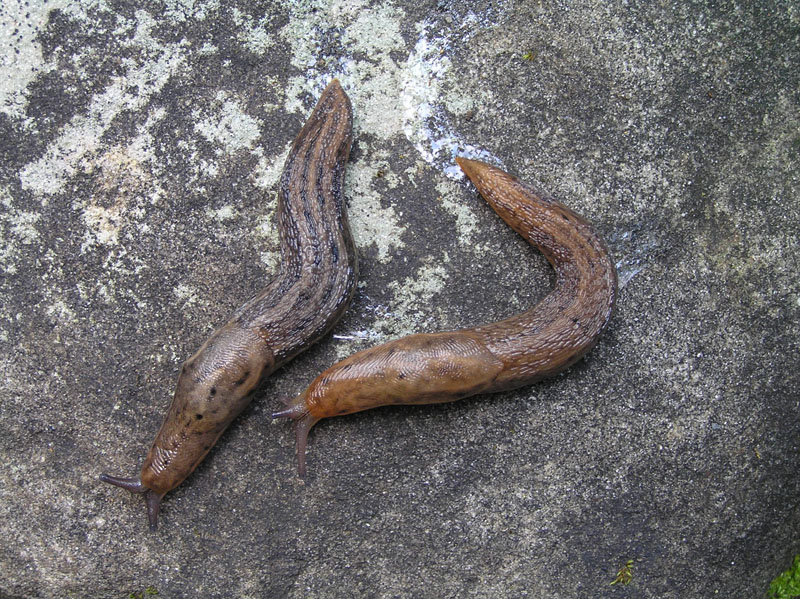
(517, 351)
(313, 288)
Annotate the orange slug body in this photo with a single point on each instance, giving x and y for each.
(517, 351)
(311, 292)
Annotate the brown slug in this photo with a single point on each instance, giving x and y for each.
(311, 292)
(517, 351)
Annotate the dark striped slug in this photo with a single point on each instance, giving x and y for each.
(517, 351)
(312, 290)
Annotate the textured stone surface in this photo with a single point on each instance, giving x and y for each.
(139, 150)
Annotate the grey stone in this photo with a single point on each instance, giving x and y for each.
(139, 149)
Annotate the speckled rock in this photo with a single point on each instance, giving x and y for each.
(140, 146)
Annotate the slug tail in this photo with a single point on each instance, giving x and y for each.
(304, 420)
(472, 168)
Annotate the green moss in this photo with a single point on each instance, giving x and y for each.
(625, 573)
(150, 591)
(787, 585)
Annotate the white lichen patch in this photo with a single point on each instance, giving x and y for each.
(186, 294)
(222, 214)
(371, 222)
(230, 127)
(118, 169)
(17, 227)
(251, 33)
(267, 230)
(270, 168)
(124, 183)
(60, 312)
(407, 313)
(461, 105)
(207, 49)
(413, 295)
(141, 147)
(82, 136)
(21, 59)
(308, 22)
(394, 97)
(452, 200)
(375, 35)
(103, 225)
(22, 226)
(178, 11)
(423, 97)
(266, 177)
(422, 76)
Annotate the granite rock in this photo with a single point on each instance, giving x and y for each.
(140, 146)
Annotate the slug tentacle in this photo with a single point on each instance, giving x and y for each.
(313, 288)
(516, 351)
(134, 485)
(298, 411)
(153, 502)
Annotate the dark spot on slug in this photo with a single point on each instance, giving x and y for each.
(243, 379)
(198, 416)
(213, 392)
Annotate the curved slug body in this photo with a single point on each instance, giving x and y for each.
(314, 287)
(517, 351)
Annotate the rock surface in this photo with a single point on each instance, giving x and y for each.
(140, 145)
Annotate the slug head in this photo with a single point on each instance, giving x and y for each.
(134, 485)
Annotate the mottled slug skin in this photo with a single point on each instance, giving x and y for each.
(313, 288)
(517, 351)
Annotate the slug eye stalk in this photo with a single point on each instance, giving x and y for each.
(134, 485)
(304, 421)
